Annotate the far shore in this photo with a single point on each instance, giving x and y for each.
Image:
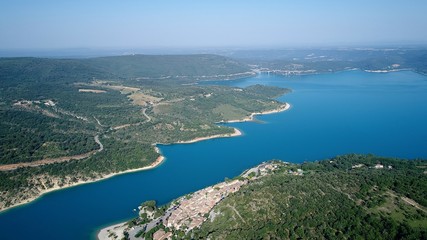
(388, 70)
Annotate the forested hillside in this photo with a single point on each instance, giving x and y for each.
(68, 120)
(347, 197)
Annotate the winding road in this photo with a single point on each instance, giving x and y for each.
(10, 167)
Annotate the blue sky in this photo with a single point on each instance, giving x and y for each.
(28, 24)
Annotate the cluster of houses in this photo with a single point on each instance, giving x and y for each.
(193, 211)
(376, 166)
(260, 170)
(298, 172)
(48, 103)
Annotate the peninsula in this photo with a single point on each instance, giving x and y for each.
(369, 197)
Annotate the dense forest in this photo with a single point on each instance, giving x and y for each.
(347, 197)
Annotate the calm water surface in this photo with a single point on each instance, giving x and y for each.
(331, 114)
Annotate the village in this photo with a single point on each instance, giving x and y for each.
(193, 210)
(190, 211)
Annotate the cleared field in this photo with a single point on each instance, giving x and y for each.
(92, 90)
(142, 99)
(133, 93)
(122, 89)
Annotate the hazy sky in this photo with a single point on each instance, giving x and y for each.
(209, 23)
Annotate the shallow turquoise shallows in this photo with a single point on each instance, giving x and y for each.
(331, 114)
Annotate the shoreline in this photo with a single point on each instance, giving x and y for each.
(158, 161)
(251, 117)
(154, 164)
(236, 133)
(104, 232)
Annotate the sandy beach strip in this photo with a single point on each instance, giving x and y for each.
(251, 117)
(116, 228)
(236, 132)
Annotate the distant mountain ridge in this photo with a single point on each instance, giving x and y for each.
(168, 65)
(187, 67)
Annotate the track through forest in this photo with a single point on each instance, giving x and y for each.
(14, 166)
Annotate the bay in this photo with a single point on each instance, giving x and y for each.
(331, 114)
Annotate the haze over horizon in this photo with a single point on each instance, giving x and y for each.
(99, 24)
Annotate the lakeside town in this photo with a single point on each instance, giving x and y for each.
(187, 212)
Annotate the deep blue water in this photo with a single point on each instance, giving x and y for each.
(331, 114)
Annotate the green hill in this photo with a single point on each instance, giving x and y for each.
(345, 197)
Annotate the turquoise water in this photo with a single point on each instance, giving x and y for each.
(331, 114)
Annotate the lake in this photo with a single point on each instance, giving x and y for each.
(331, 114)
